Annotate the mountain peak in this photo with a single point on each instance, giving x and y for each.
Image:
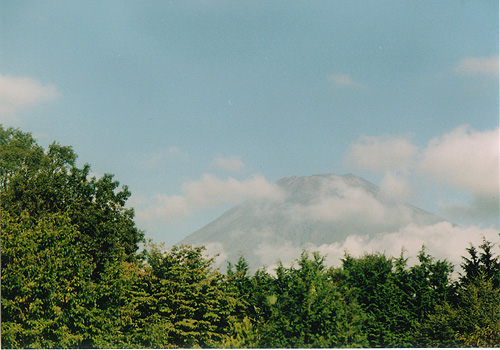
(316, 210)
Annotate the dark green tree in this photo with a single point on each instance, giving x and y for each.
(372, 279)
(180, 300)
(429, 285)
(308, 309)
(483, 264)
(242, 332)
(395, 296)
(239, 287)
(472, 319)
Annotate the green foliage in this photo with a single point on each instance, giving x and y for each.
(473, 319)
(241, 334)
(479, 313)
(373, 281)
(303, 307)
(65, 239)
(47, 295)
(40, 183)
(397, 297)
(180, 300)
(473, 322)
(484, 265)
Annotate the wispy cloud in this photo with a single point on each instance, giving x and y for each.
(485, 66)
(17, 93)
(231, 163)
(207, 193)
(344, 81)
(158, 157)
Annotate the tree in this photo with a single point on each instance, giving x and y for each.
(479, 313)
(372, 279)
(239, 286)
(68, 243)
(180, 300)
(473, 322)
(429, 285)
(39, 183)
(309, 310)
(472, 319)
(397, 297)
(485, 265)
(48, 299)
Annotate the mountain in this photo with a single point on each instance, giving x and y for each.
(312, 211)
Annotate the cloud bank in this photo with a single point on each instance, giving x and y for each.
(346, 204)
(443, 241)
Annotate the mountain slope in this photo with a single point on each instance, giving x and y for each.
(313, 211)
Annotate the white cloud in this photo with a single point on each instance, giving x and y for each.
(486, 66)
(207, 193)
(232, 163)
(465, 158)
(17, 93)
(351, 208)
(384, 153)
(164, 207)
(210, 190)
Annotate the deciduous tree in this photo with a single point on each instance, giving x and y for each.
(39, 182)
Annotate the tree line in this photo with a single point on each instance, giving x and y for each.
(73, 275)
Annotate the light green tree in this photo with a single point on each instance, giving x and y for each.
(48, 298)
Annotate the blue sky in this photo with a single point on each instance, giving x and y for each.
(196, 105)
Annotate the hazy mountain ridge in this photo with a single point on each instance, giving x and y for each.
(313, 211)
